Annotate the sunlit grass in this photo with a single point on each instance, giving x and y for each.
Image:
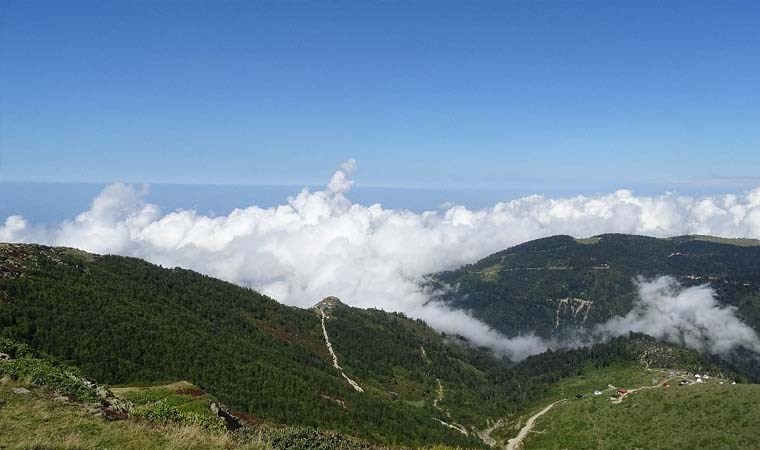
(706, 416)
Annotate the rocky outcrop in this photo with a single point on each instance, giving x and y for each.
(231, 422)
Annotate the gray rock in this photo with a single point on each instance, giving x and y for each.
(119, 405)
(21, 391)
(61, 398)
(97, 412)
(101, 392)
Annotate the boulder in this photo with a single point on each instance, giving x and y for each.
(102, 392)
(231, 422)
(119, 405)
(97, 412)
(21, 391)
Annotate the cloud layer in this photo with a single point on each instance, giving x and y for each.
(686, 316)
(320, 243)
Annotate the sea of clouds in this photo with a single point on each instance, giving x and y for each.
(320, 243)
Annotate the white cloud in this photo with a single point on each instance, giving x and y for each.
(320, 243)
(686, 316)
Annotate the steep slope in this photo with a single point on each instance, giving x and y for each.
(45, 404)
(123, 320)
(556, 284)
(403, 360)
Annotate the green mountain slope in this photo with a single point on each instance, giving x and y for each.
(40, 408)
(48, 405)
(404, 360)
(712, 415)
(559, 283)
(124, 320)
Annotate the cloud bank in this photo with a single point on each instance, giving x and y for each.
(320, 243)
(687, 316)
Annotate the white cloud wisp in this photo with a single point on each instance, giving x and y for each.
(687, 316)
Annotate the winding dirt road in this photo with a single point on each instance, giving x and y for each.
(633, 391)
(515, 442)
(353, 383)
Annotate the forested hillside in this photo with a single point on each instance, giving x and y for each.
(124, 320)
(559, 283)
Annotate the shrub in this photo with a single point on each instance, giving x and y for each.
(159, 412)
(163, 413)
(15, 349)
(211, 423)
(42, 372)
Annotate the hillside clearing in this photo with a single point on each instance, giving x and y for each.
(698, 416)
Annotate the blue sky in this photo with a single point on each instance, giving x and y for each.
(498, 95)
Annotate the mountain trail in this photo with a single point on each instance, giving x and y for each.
(632, 391)
(516, 442)
(353, 383)
(485, 435)
(438, 394)
(453, 426)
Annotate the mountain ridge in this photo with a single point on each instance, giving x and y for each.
(521, 289)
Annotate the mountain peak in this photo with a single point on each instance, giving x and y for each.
(328, 303)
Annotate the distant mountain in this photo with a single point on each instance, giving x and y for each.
(552, 285)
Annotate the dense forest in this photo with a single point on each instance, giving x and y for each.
(122, 320)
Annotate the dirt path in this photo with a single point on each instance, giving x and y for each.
(438, 394)
(632, 391)
(453, 426)
(353, 383)
(516, 442)
(485, 435)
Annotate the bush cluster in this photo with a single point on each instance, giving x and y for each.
(42, 372)
(163, 413)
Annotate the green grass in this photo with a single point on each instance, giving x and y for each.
(179, 394)
(181, 402)
(741, 242)
(621, 375)
(35, 421)
(704, 417)
(588, 240)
